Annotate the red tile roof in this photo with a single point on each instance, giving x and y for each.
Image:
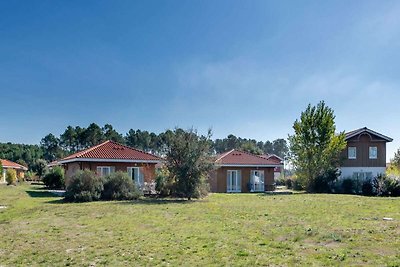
(236, 157)
(272, 157)
(10, 164)
(110, 150)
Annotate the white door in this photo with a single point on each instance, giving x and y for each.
(257, 180)
(137, 175)
(234, 181)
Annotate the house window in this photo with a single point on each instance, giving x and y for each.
(352, 152)
(362, 175)
(234, 181)
(373, 152)
(104, 170)
(257, 181)
(137, 175)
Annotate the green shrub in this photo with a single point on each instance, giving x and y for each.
(367, 188)
(55, 178)
(324, 183)
(118, 186)
(348, 186)
(289, 183)
(203, 189)
(280, 181)
(386, 185)
(163, 182)
(84, 186)
(11, 177)
(30, 175)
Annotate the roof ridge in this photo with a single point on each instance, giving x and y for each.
(225, 154)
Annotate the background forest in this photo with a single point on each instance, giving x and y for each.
(77, 138)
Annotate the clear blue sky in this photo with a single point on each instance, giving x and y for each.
(242, 67)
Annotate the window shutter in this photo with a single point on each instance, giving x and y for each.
(98, 171)
(112, 169)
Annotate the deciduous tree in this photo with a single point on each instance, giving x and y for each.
(315, 147)
(188, 162)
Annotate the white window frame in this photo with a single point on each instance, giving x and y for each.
(355, 152)
(238, 183)
(259, 187)
(139, 178)
(100, 170)
(376, 152)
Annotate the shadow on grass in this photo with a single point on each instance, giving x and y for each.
(40, 193)
(285, 193)
(142, 201)
(156, 201)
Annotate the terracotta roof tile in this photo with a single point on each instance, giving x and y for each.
(112, 150)
(237, 157)
(273, 158)
(10, 164)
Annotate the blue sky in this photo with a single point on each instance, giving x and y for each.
(242, 67)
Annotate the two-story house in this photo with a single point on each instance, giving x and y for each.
(365, 154)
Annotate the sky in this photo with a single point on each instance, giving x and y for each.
(247, 68)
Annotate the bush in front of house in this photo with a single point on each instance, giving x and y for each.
(348, 186)
(11, 177)
(84, 186)
(55, 178)
(292, 182)
(386, 185)
(367, 188)
(324, 183)
(163, 182)
(289, 183)
(118, 186)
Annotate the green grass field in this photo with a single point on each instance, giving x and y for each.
(38, 229)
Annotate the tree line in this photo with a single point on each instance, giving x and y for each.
(74, 139)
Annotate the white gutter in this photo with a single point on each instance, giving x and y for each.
(108, 160)
(13, 167)
(248, 165)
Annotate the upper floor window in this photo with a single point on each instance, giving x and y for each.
(104, 170)
(373, 152)
(352, 152)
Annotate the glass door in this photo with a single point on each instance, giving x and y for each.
(234, 181)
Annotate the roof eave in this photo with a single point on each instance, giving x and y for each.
(386, 138)
(108, 160)
(250, 165)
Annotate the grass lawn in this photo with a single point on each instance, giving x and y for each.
(223, 229)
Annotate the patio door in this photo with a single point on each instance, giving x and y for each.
(234, 181)
(137, 175)
(257, 181)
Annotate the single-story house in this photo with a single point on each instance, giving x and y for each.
(8, 164)
(365, 154)
(239, 171)
(109, 157)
